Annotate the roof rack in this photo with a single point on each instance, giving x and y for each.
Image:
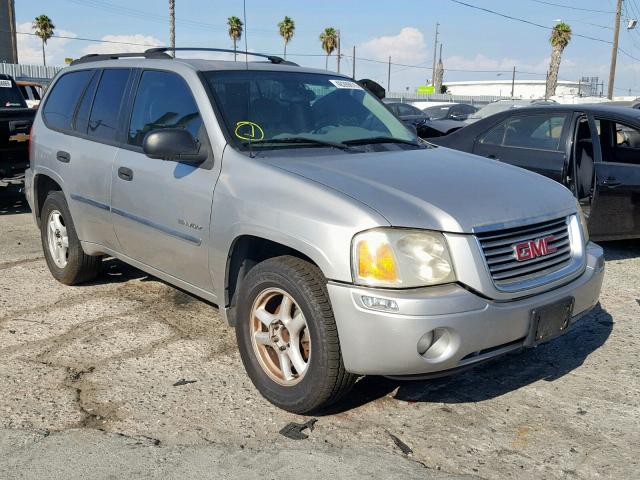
(152, 52)
(161, 52)
(95, 57)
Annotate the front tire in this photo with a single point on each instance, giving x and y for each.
(62, 250)
(288, 338)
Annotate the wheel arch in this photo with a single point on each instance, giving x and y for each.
(43, 183)
(245, 252)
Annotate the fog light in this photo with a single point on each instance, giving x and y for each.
(436, 345)
(377, 303)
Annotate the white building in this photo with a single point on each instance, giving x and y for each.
(502, 88)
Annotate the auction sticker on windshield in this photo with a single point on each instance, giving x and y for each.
(5, 83)
(346, 84)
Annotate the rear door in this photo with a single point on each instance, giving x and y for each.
(615, 211)
(83, 113)
(162, 209)
(535, 141)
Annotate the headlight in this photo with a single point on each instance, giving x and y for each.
(402, 258)
(583, 224)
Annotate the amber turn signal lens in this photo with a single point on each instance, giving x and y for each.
(376, 262)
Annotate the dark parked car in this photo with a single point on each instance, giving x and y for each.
(15, 124)
(452, 111)
(425, 127)
(407, 113)
(594, 150)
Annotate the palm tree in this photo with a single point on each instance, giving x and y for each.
(287, 27)
(560, 38)
(235, 32)
(329, 39)
(172, 25)
(43, 27)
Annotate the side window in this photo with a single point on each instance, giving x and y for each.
(627, 137)
(62, 101)
(163, 100)
(82, 116)
(541, 132)
(495, 136)
(103, 121)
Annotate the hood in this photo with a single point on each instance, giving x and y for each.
(436, 188)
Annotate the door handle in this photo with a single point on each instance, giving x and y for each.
(125, 173)
(492, 157)
(63, 157)
(610, 182)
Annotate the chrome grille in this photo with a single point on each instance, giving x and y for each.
(498, 248)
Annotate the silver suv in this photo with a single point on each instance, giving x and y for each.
(335, 241)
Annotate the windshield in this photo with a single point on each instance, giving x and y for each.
(498, 107)
(282, 109)
(10, 95)
(437, 113)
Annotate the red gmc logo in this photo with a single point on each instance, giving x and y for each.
(534, 248)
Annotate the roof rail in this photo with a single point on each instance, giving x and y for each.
(161, 52)
(152, 52)
(95, 57)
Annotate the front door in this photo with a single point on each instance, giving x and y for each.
(162, 209)
(615, 211)
(533, 141)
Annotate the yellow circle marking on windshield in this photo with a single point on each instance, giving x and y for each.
(249, 131)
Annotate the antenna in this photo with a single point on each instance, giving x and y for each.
(246, 49)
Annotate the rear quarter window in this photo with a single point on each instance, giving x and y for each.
(61, 102)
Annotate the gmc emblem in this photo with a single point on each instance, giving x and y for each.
(534, 248)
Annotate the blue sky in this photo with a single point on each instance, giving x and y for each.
(474, 41)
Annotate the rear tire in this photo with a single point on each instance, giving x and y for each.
(302, 330)
(62, 249)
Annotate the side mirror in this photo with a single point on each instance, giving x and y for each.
(173, 144)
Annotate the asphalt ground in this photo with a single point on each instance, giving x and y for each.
(88, 388)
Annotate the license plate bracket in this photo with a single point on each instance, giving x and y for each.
(549, 321)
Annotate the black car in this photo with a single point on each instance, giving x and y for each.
(594, 150)
(15, 126)
(453, 111)
(407, 113)
(418, 119)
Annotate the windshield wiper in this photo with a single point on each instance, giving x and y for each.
(296, 140)
(372, 140)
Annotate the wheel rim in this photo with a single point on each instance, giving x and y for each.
(280, 336)
(57, 239)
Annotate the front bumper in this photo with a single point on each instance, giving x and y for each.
(381, 343)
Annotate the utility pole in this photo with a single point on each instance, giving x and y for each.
(614, 51)
(389, 76)
(339, 51)
(353, 75)
(513, 81)
(172, 25)
(435, 51)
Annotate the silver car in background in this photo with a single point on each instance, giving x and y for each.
(335, 241)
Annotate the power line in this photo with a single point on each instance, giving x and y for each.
(83, 39)
(522, 20)
(161, 19)
(529, 22)
(571, 7)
